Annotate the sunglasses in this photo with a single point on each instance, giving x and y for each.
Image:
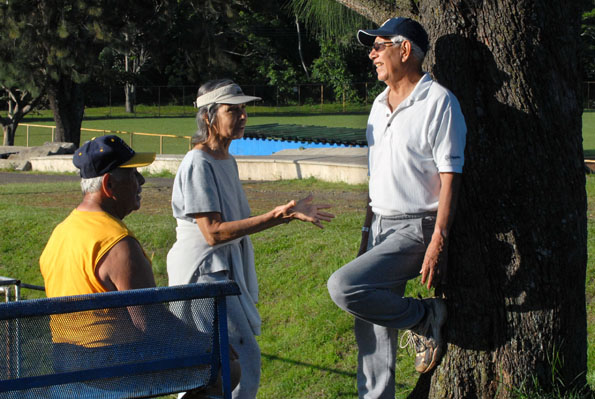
(379, 46)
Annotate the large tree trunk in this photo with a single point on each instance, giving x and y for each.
(517, 261)
(67, 103)
(516, 285)
(9, 128)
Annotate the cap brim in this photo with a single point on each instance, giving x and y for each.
(139, 159)
(367, 37)
(235, 99)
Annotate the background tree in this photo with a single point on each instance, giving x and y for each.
(22, 89)
(516, 282)
(20, 103)
(53, 47)
(588, 47)
(144, 35)
(339, 63)
(68, 39)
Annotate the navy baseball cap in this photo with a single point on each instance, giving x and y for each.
(101, 155)
(405, 27)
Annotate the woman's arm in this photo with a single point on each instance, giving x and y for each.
(217, 231)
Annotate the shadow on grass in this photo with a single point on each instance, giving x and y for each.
(309, 365)
(589, 154)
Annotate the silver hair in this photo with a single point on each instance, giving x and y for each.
(210, 111)
(93, 184)
(416, 51)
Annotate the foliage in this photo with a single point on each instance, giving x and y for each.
(281, 74)
(588, 40)
(328, 19)
(61, 52)
(330, 68)
(22, 91)
(243, 40)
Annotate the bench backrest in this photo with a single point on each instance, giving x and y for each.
(136, 343)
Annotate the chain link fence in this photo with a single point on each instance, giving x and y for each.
(178, 100)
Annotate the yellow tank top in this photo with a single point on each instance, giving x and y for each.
(68, 267)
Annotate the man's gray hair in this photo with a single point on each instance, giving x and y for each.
(93, 184)
(210, 111)
(416, 51)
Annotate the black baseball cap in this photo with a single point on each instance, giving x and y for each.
(101, 155)
(405, 27)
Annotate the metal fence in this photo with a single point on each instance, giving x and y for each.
(178, 100)
(154, 142)
(310, 95)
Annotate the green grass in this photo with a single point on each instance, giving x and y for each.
(308, 347)
(589, 134)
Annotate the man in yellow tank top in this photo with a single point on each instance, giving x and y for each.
(92, 250)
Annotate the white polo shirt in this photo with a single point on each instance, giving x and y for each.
(409, 147)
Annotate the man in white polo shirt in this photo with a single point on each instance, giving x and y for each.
(416, 139)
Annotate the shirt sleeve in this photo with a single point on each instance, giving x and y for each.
(450, 135)
(199, 188)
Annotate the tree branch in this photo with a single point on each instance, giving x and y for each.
(379, 11)
(239, 54)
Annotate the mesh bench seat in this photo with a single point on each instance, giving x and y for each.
(130, 344)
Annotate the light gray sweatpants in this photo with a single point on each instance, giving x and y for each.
(371, 287)
(243, 340)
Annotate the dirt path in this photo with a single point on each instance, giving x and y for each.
(262, 196)
(20, 177)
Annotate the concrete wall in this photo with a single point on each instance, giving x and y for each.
(348, 169)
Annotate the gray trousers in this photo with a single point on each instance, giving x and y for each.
(371, 287)
(243, 341)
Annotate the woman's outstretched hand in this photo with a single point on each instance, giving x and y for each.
(306, 211)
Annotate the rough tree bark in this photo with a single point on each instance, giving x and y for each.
(516, 288)
(517, 260)
(67, 103)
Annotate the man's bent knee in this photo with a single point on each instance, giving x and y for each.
(337, 289)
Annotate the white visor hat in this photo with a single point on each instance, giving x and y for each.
(230, 94)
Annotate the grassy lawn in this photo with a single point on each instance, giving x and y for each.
(589, 134)
(308, 347)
